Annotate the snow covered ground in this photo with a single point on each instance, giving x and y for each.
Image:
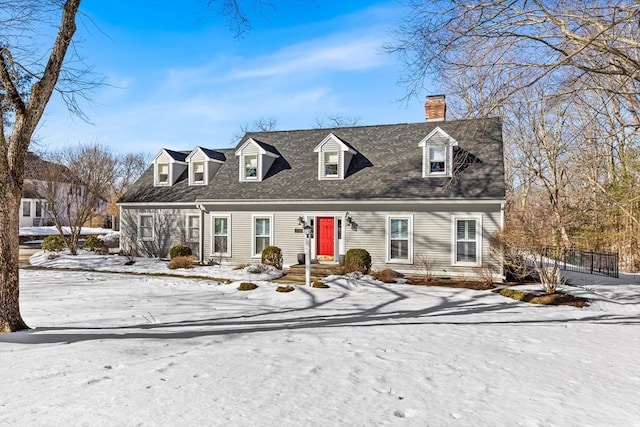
(140, 350)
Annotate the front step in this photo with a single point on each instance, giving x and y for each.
(296, 273)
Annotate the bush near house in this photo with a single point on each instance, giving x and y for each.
(387, 275)
(180, 250)
(357, 260)
(247, 286)
(272, 255)
(180, 262)
(92, 243)
(53, 243)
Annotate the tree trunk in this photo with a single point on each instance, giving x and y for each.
(10, 318)
(13, 150)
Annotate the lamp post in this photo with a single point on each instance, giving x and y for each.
(307, 255)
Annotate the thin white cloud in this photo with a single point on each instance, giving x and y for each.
(317, 56)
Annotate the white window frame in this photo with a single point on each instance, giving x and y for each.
(447, 160)
(409, 219)
(213, 235)
(254, 236)
(325, 155)
(157, 174)
(244, 167)
(188, 228)
(454, 240)
(153, 223)
(195, 181)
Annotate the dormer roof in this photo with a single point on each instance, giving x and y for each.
(212, 155)
(344, 146)
(263, 148)
(178, 156)
(438, 136)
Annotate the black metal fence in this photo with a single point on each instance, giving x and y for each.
(590, 262)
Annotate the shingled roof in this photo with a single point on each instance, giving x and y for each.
(387, 166)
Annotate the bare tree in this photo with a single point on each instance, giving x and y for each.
(129, 167)
(529, 40)
(23, 112)
(77, 189)
(337, 121)
(30, 71)
(263, 124)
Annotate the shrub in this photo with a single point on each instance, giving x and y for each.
(180, 250)
(92, 243)
(426, 267)
(319, 284)
(285, 288)
(387, 275)
(272, 255)
(54, 243)
(357, 260)
(485, 274)
(181, 262)
(247, 286)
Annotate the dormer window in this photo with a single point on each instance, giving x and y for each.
(198, 172)
(163, 173)
(255, 160)
(334, 157)
(168, 166)
(251, 167)
(437, 154)
(437, 159)
(203, 165)
(331, 161)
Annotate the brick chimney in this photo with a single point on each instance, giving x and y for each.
(435, 108)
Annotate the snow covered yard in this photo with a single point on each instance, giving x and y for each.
(127, 350)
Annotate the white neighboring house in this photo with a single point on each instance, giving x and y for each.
(34, 208)
(407, 193)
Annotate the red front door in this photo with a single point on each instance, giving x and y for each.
(325, 237)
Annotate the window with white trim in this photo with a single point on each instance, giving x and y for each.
(221, 244)
(331, 162)
(163, 173)
(262, 233)
(251, 166)
(399, 239)
(39, 206)
(467, 237)
(198, 172)
(193, 228)
(437, 160)
(145, 227)
(26, 208)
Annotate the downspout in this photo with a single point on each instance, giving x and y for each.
(202, 209)
(120, 230)
(502, 231)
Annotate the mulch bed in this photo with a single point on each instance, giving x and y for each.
(556, 298)
(477, 286)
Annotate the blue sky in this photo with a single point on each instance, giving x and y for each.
(177, 77)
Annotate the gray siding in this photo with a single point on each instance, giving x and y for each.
(432, 236)
(169, 230)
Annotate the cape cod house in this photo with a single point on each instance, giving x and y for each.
(411, 194)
